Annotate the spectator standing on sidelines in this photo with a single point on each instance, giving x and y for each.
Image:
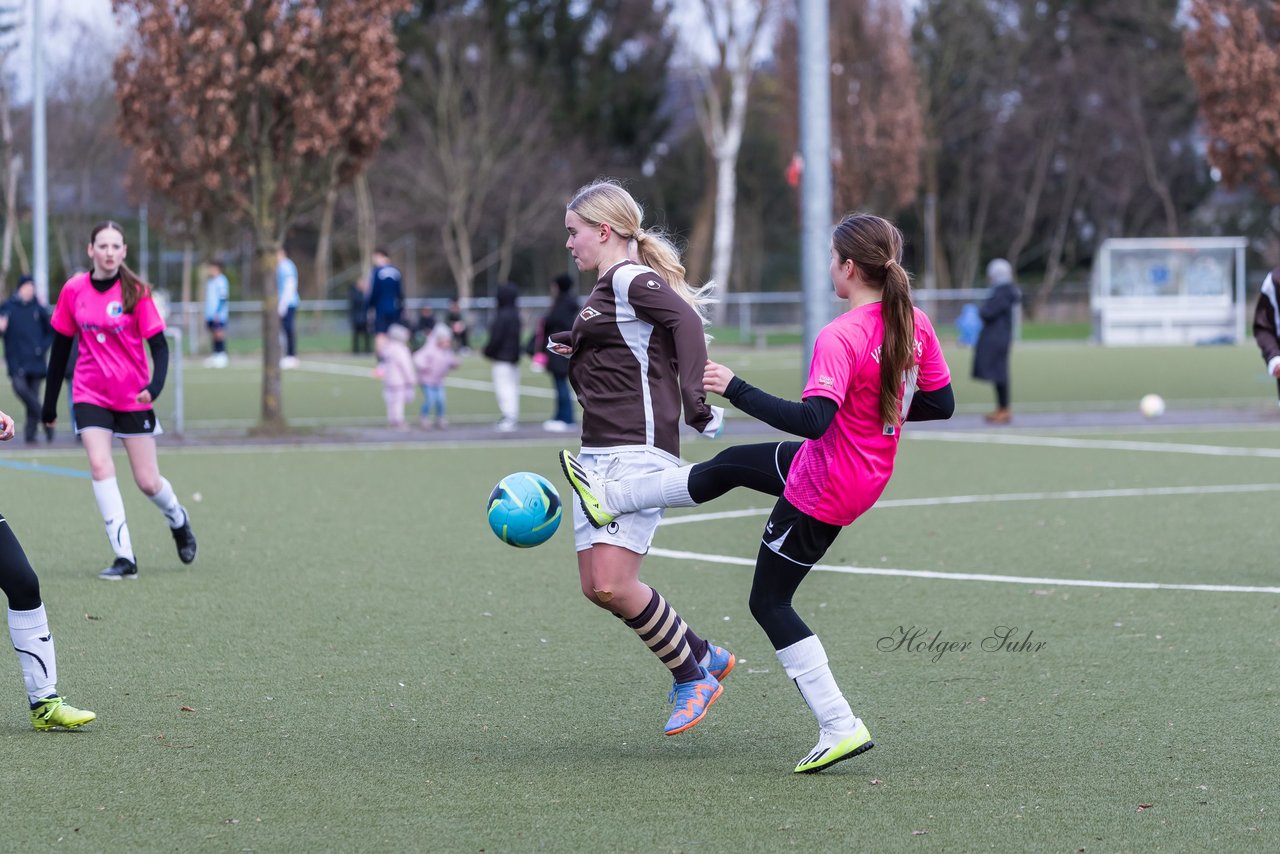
(1266, 324)
(434, 360)
(287, 306)
(358, 314)
(29, 629)
(386, 296)
(503, 350)
(991, 354)
(110, 312)
(399, 376)
(217, 312)
(559, 318)
(24, 322)
(457, 321)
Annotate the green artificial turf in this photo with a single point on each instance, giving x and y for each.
(355, 663)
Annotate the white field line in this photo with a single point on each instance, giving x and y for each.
(975, 576)
(1066, 495)
(1096, 444)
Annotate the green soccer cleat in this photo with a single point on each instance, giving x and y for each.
(590, 490)
(53, 713)
(833, 748)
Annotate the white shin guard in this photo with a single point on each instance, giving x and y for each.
(805, 663)
(33, 642)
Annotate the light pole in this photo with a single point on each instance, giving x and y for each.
(815, 180)
(39, 195)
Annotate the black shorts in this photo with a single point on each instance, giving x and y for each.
(215, 325)
(383, 322)
(797, 536)
(125, 425)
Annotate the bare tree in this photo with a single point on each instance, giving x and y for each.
(247, 109)
(475, 156)
(737, 29)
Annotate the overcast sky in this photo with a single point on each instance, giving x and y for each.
(71, 27)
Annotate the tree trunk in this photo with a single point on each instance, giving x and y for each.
(697, 263)
(267, 243)
(366, 228)
(324, 242)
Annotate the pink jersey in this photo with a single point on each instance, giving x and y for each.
(112, 367)
(838, 477)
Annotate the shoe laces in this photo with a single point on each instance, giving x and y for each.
(47, 707)
(685, 690)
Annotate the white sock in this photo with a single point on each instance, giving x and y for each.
(111, 506)
(167, 501)
(805, 663)
(666, 488)
(34, 644)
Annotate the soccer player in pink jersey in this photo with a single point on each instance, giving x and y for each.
(111, 311)
(875, 366)
(29, 630)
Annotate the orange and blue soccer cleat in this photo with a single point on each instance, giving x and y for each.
(692, 699)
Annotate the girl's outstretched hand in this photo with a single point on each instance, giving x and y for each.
(716, 377)
(6, 427)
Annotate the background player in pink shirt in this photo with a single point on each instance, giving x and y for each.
(111, 311)
(873, 367)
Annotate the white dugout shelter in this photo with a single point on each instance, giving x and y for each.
(1178, 290)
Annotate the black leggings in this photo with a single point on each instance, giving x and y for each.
(1002, 395)
(763, 468)
(17, 578)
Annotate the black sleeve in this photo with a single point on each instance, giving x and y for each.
(810, 418)
(936, 405)
(159, 364)
(59, 353)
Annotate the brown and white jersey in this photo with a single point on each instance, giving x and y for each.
(638, 357)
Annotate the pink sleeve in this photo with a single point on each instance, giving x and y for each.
(934, 373)
(831, 368)
(148, 318)
(63, 320)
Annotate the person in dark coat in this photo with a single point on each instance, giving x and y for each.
(559, 318)
(991, 355)
(503, 350)
(358, 314)
(24, 322)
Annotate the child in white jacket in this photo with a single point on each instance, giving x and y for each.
(398, 375)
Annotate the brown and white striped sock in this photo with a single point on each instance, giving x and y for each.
(662, 630)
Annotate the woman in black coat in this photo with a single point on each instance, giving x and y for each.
(559, 318)
(991, 355)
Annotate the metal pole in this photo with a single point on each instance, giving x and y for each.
(39, 176)
(815, 151)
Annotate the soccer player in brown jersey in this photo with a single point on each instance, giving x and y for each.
(636, 353)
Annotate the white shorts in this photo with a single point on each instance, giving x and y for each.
(632, 531)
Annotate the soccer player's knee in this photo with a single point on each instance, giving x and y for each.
(763, 607)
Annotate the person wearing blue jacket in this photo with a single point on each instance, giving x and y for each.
(24, 322)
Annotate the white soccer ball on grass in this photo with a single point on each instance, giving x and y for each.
(1151, 406)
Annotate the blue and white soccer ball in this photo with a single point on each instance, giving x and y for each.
(524, 510)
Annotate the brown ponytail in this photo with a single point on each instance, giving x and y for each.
(132, 288)
(875, 246)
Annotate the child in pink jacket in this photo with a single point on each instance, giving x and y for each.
(398, 375)
(434, 361)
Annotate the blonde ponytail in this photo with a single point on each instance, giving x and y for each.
(606, 201)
